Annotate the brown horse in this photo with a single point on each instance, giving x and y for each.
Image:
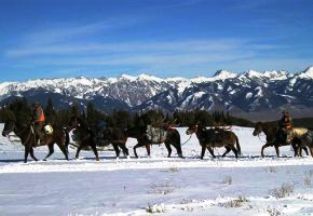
(304, 141)
(170, 137)
(28, 139)
(85, 137)
(275, 137)
(117, 137)
(211, 138)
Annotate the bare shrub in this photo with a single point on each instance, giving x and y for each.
(162, 188)
(283, 191)
(274, 212)
(155, 208)
(235, 203)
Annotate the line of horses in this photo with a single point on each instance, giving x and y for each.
(209, 138)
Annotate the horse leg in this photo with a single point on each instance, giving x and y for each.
(295, 148)
(64, 150)
(179, 151)
(26, 153)
(305, 150)
(227, 151)
(31, 151)
(264, 147)
(135, 147)
(51, 150)
(211, 151)
(148, 147)
(202, 152)
(235, 151)
(94, 149)
(78, 150)
(116, 149)
(124, 149)
(311, 150)
(169, 149)
(277, 150)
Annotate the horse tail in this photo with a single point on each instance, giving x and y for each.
(237, 145)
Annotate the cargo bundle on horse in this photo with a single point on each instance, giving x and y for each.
(215, 137)
(29, 138)
(156, 132)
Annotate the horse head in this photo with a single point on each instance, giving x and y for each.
(10, 121)
(9, 127)
(257, 129)
(192, 129)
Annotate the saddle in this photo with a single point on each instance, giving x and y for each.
(156, 134)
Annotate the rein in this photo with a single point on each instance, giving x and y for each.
(186, 140)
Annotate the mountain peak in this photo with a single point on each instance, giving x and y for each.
(224, 74)
(128, 77)
(148, 77)
(307, 73)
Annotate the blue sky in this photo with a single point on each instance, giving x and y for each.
(66, 38)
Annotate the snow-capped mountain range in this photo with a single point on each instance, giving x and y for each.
(256, 95)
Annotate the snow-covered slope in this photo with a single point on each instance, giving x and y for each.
(248, 92)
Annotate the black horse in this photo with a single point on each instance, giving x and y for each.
(28, 138)
(171, 137)
(84, 136)
(117, 137)
(276, 137)
(211, 138)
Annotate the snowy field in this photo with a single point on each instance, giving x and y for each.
(158, 185)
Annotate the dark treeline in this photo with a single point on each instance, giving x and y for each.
(22, 108)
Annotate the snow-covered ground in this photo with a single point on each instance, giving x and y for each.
(158, 185)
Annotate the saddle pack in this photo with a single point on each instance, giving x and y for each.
(156, 134)
(48, 129)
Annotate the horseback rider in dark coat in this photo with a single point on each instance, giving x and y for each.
(285, 126)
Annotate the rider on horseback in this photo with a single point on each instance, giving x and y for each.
(38, 120)
(285, 125)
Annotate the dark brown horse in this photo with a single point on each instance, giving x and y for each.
(171, 137)
(211, 138)
(274, 137)
(303, 142)
(84, 136)
(26, 133)
(117, 137)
